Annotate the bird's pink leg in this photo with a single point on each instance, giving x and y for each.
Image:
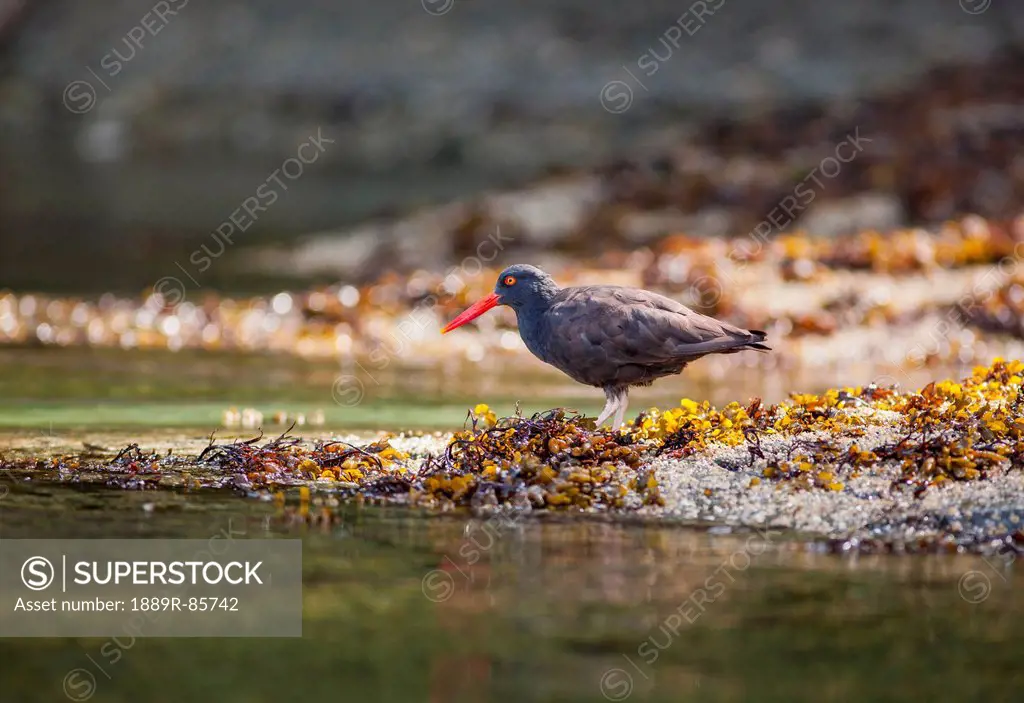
(620, 412)
(609, 406)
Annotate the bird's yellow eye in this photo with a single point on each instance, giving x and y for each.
(510, 280)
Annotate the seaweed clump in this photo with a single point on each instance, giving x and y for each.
(286, 460)
(551, 460)
(947, 431)
(962, 431)
(1000, 310)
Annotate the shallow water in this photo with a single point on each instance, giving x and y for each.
(50, 388)
(79, 388)
(550, 610)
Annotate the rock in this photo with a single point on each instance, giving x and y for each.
(536, 496)
(878, 211)
(547, 213)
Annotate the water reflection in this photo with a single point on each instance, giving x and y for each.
(464, 600)
(401, 606)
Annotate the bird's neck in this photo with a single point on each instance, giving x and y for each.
(538, 303)
(544, 295)
(533, 330)
(532, 319)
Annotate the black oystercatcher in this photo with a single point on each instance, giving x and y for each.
(608, 336)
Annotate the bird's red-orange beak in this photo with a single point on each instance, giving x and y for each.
(472, 312)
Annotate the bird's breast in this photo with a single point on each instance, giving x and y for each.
(555, 341)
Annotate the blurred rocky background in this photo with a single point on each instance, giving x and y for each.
(130, 131)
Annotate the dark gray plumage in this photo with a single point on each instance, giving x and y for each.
(609, 336)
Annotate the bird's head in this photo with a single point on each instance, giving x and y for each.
(519, 286)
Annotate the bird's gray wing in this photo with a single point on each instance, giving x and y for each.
(610, 326)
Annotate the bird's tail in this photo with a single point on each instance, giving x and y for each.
(758, 341)
(732, 340)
